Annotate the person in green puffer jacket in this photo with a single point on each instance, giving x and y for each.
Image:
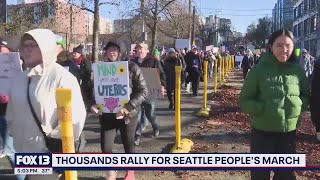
(275, 93)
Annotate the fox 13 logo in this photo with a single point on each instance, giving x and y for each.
(33, 160)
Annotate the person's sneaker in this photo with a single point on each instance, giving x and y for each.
(2, 155)
(137, 141)
(171, 106)
(111, 175)
(130, 176)
(156, 133)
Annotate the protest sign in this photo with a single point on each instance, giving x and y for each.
(256, 51)
(215, 50)
(182, 43)
(151, 76)
(208, 48)
(223, 48)
(238, 58)
(111, 85)
(10, 67)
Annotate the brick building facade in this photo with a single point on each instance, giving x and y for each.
(57, 16)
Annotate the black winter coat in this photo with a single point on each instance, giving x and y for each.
(247, 62)
(85, 72)
(192, 59)
(73, 68)
(169, 69)
(139, 88)
(315, 97)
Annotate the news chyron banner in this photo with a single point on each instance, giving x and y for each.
(3, 11)
(43, 163)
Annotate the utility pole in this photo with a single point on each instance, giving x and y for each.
(193, 26)
(189, 33)
(215, 31)
(142, 16)
(71, 23)
(155, 27)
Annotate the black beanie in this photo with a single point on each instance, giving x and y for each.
(78, 49)
(10, 42)
(111, 43)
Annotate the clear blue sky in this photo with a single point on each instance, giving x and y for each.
(241, 12)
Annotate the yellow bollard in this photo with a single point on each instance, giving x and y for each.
(229, 62)
(181, 145)
(205, 84)
(64, 108)
(204, 111)
(227, 66)
(232, 62)
(216, 75)
(220, 69)
(223, 69)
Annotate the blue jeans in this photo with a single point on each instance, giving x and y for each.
(2, 134)
(147, 112)
(7, 141)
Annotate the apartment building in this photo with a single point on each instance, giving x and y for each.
(306, 26)
(282, 15)
(104, 24)
(123, 25)
(62, 18)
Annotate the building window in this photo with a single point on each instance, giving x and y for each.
(299, 10)
(51, 10)
(9, 18)
(306, 45)
(306, 4)
(300, 27)
(37, 14)
(305, 27)
(312, 5)
(313, 47)
(295, 31)
(313, 26)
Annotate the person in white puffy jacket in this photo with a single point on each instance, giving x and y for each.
(38, 48)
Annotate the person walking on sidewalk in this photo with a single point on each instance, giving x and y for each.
(32, 111)
(63, 60)
(148, 107)
(169, 68)
(275, 93)
(307, 63)
(111, 122)
(194, 69)
(247, 63)
(7, 45)
(84, 65)
(315, 99)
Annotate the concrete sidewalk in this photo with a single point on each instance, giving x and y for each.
(189, 106)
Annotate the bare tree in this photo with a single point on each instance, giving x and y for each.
(96, 23)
